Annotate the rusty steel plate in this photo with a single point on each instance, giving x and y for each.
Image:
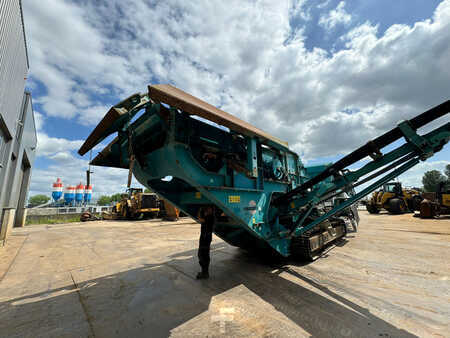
(105, 126)
(190, 104)
(111, 116)
(106, 157)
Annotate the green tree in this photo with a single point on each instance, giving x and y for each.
(38, 199)
(104, 200)
(431, 179)
(147, 190)
(116, 197)
(447, 171)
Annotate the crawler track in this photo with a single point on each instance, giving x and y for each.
(311, 244)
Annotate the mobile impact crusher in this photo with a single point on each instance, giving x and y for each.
(196, 156)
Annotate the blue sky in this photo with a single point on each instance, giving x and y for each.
(382, 12)
(324, 75)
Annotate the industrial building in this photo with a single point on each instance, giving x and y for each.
(17, 126)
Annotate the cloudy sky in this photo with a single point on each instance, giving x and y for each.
(324, 75)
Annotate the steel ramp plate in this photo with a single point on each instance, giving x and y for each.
(107, 124)
(190, 104)
(106, 158)
(111, 116)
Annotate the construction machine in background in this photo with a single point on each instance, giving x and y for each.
(395, 199)
(168, 211)
(436, 203)
(135, 204)
(261, 194)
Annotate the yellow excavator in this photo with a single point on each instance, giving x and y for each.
(393, 198)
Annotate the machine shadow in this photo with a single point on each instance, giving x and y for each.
(161, 299)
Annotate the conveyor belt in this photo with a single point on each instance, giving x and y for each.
(369, 149)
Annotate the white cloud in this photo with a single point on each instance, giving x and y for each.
(62, 163)
(62, 157)
(245, 57)
(52, 147)
(92, 113)
(242, 57)
(297, 9)
(324, 4)
(335, 17)
(69, 57)
(72, 170)
(413, 177)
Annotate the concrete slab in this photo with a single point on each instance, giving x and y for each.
(41, 305)
(9, 251)
(137, 279)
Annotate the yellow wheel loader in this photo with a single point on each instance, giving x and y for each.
(135, 204)
(393, 198)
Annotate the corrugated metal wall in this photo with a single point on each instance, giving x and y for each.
(13, 71)
(13, 62)
(29, 139)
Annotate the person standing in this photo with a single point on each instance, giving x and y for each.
(207, 220)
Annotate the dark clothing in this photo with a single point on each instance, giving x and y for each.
(204, 246)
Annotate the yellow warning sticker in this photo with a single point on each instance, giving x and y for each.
(234, 199)
(198, 195)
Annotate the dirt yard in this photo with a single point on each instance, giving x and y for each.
(136, 279)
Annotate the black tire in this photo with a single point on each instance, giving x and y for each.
(397, 206)
(126, 213)
(372, 209)
(416, 200)
(394, 206)
(427, 209)
(410, 205)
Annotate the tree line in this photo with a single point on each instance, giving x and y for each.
(432, 178)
